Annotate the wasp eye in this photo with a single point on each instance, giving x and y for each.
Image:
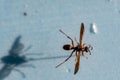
(67, 47)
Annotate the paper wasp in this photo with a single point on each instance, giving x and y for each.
(79, 49)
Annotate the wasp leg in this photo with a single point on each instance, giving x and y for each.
(84, 55)
(23, 75)
(68, 37)
(89, 52)
(25, 50)
(66, 59)
(91, 48)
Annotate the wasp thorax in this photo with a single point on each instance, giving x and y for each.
(67, 47)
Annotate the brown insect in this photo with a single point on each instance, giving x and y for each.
(79, 49)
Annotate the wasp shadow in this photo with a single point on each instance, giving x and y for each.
(15, 58)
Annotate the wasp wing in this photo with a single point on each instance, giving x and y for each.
(77, 63)
(5, 71)
(16, 47)
(81, 33)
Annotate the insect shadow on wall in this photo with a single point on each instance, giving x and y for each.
(15, 59)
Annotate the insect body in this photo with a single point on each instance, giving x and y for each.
(79, 49)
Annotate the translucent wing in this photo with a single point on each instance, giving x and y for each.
(16, 47)
(5, 71)
(77, 63)
(81, 33)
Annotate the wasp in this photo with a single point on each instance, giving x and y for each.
(14, 59)
(79, 49)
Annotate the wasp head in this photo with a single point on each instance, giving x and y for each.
(88, 48)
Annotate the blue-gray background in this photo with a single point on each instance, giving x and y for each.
(40, 28)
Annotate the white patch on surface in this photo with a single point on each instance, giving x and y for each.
(93, 28)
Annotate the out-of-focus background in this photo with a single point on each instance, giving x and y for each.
(39, 21)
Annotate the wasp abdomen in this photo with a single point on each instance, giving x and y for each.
(67, 47)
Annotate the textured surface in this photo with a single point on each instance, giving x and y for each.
(39, 21)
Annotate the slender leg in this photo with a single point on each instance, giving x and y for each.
(29, 47)
(89, 52)
(67, 37)
(25, 50)
(66, 59)
(23, 75)
(84, 55)
(90, 48)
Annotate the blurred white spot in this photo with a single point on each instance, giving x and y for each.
(93, 28)
(68, 70)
